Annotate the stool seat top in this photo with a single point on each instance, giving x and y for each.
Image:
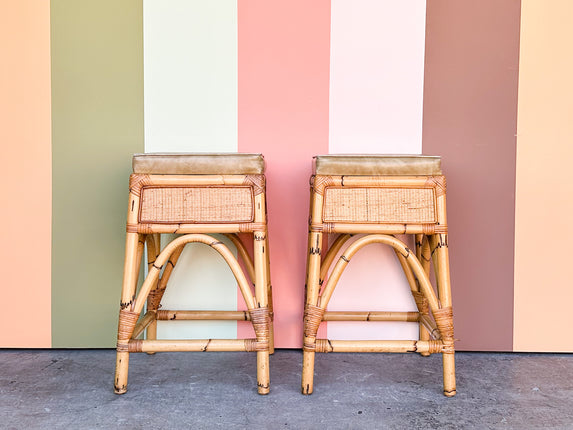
(374, 165)
(198, 164)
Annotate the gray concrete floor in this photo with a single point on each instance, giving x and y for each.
(72, 389)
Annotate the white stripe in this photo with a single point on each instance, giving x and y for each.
(377, 76)
(190, 104)
(190, 72)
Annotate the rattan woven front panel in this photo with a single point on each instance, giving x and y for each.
(383, 205)
(196, 205)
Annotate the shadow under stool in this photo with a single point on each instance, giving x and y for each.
(380, 197)
(194, 196)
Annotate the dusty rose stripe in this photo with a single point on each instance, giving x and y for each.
(470, 116)
(284, 54)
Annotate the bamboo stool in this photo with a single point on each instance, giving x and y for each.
(380, 196)
(194, 196)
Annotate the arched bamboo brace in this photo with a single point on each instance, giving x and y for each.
(345, 258)
(170, 266)
(183, 240)
(153, 242)
(242, 251)
(407, 271)
(331, 253)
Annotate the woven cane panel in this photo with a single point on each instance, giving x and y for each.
(382, 205)
(196, 205)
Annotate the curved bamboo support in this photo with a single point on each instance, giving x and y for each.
(412, 282)
(413, 262)
(331, 253)
(153, 242)
(242, 251)
(169, 267)
(423, 255)
(193, 238)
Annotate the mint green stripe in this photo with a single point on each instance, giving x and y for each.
(97, 114)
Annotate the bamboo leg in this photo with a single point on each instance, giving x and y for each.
(130, 274)
(261, 285)
(312, 315)
(259, 318)
(441, 260)
(312, 291)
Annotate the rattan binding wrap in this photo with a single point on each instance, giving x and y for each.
(445, 321)
(261, 319)
(127, 321)
(312, 318)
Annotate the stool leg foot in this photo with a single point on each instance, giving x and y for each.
(307, 372)
(449, 374)
(121, 370)
(263, 374)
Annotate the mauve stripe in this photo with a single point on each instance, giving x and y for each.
(284, 54)
(470, 116)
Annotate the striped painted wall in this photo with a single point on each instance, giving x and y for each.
(484, 84)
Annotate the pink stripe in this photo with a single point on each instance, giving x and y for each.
(284, 55)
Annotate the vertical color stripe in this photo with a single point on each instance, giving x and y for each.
(470, 114)
(377, 76)
(190, 75)
(26, 173)
(544, 201)
(283, 113)
(376, 93)
(190, 51)
(97, 94)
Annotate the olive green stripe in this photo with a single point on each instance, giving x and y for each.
(97, 120)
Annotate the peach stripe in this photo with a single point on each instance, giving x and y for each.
(544, 190)
(25, 133)
(284, 54)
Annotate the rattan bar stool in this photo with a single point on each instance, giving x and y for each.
(194, 196)
(380, 196)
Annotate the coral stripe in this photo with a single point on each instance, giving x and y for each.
(284, 50)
